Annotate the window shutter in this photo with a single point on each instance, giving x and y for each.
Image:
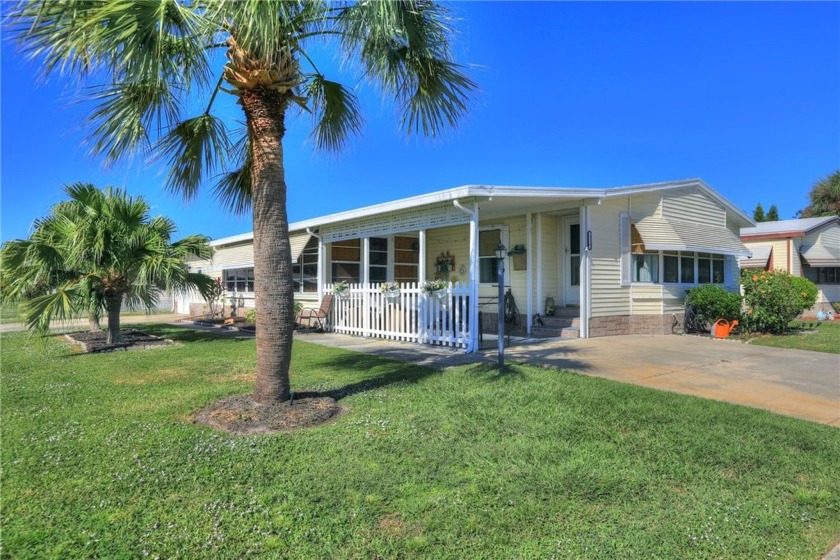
(624, 247)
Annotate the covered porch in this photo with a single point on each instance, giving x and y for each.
(453, 239)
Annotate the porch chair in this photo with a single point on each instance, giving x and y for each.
(313, 319)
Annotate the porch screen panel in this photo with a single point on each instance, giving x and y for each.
(488, 240)
(346, 257)
(406, 259)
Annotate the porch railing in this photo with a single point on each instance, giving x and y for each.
(410, 315)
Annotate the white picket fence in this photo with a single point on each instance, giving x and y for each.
(411, 315)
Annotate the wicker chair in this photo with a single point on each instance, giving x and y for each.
(314, 319)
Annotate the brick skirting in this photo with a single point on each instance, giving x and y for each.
(632, 324)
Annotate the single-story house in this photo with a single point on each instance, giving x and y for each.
(608, 261)
(809, 247)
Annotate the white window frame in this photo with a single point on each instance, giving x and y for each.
(298, 274)
(504, 237)
(694, 256)
(247, 275)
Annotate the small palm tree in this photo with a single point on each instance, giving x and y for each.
(94, 252)
(149, 61)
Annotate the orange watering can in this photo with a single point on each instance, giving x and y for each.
(722, 328)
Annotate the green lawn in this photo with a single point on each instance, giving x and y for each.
(99, 460)
(825, 339)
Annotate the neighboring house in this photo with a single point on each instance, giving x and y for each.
(809, 247)
(619, 260)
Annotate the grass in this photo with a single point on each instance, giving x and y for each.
(100, 460)
(9, 313)
(826, 338)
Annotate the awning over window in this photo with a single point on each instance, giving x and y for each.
(760, 257)
(298, 242)
(672, 235)
(821, 255)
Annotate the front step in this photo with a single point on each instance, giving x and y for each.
(555, 332)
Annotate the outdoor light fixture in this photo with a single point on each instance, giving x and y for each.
(501, 253)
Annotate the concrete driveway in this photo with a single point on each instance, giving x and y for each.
(795, 383)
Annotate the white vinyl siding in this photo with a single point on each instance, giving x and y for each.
(693, 206)
(608, 296)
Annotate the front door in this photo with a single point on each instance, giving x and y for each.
(571, 262)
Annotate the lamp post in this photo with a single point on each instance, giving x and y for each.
(501, 253)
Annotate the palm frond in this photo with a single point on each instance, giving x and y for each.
(335, 110)
(58, 305)
(126, 113)
(193, 148)
(233, 189)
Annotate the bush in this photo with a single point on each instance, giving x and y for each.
(712, 302)
(774, 299)
(251, 316)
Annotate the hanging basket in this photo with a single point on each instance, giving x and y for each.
(392, 295)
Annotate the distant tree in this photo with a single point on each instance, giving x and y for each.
(772, 214)
(96, 251)
(824, 198)
(758, 213)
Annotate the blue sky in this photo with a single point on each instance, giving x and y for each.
(743, 95)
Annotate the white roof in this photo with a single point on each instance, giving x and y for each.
(797, 227)
(500, 192)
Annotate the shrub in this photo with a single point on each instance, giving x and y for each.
(712, 302)
(774, 298)
(251, 316)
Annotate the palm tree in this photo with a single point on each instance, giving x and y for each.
(96, 251)
(824, 198)
(151, 56)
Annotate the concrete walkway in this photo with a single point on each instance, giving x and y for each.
(796, 383)
(124, 320)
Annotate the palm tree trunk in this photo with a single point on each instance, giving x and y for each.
(113, 302)
(93, 321)
(273, 291)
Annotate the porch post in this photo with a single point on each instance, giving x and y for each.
(540, 299)
(421, 264)
(585, 273)
(321, 280)
(529, 279)
(364, 276)
(474, 326)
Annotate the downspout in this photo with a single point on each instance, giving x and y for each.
(320, 272)
(472, 346)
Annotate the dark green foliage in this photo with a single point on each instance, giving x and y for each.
(758, 213)
(774, 298)
(772, 214)
(824, 198)
(711, 302)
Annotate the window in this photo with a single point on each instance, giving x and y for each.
(305, 270)
(822, 274)
(406, 259)
(378, 257)
(346, 256)
(239, 280)
(488, 240)
(645, 267)
(678, 267)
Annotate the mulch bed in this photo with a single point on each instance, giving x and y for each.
(240, 415)
(90, 342)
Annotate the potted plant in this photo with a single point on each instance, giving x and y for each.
(341, 290)
(434, 288)
(390, 289)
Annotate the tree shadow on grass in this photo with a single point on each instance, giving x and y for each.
(357, 363)
(190, 334)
